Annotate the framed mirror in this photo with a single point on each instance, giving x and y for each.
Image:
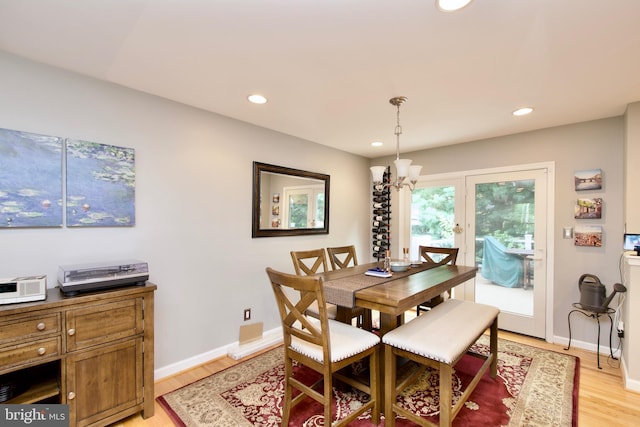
(289, 202)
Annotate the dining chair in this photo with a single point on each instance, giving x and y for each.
(344, 257)
(324, 345)
(437, 256)
(312, 262)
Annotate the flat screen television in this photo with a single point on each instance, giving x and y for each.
(630, 241)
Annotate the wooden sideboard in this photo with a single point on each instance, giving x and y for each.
(93, 352)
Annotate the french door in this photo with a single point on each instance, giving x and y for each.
(499, 222)
(506, 239)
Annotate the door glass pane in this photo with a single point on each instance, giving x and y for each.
(504, 224)
(432, 218)
(298, 210)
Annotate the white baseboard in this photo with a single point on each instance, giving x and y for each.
(584, 345)
(628, 383)
(269, 338)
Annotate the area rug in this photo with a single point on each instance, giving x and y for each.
(534, 387)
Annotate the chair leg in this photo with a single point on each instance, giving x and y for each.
(328, 398)
(389, 386)
(374, 384)
(286, 406)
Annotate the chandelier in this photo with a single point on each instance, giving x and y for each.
(404, 168)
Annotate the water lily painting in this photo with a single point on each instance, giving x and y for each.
(30, 180)
(100, 185)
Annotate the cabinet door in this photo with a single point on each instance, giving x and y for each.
(99, 324)
(104, 381)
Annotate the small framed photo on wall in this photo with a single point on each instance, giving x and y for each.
(588, 235)
(590, 179)
(588, 208)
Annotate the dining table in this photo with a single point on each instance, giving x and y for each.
(390, 296)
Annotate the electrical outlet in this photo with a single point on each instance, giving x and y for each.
(247, 314)
(620, 329)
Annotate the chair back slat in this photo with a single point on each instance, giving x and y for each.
(309, 262)
(295, 321)
(342, 257)
(437, 255)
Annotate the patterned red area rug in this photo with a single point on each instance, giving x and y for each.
(534, 387)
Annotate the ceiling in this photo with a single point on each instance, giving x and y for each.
(329, 67)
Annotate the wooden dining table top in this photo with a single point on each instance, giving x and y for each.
(397, 295)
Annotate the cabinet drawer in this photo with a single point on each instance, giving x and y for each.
(28, 328)
(95, 325)
(34, 351)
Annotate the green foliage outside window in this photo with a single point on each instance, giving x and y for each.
(432, 212)
(503, 210)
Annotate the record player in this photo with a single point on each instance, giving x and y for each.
(73, 279)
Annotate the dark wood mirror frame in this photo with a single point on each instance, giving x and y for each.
(258, 170)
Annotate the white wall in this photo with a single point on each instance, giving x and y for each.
(595, 144)
(193, 203)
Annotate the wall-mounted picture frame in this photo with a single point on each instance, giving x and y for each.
(588, 208)
(588, 179)
(30, 180)
(588, 235)
(100, 185)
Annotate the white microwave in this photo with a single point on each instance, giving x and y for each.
(23, 289)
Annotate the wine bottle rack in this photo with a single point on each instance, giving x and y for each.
(381, 216)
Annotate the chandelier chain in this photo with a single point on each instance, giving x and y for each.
(398, 131)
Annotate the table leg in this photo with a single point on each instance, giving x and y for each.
(343, 314)
(389, 322)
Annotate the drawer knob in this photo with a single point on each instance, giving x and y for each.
(41, 326)
(71, 331)
(71, 395)
(42, 351)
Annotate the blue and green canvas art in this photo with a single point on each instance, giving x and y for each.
(100, 185)
(30, 179)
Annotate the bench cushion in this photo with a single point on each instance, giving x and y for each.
(444, 332)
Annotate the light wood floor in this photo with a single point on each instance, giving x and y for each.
(602, 399)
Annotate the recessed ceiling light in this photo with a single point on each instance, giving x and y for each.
(522, 111)
(376, 144)
(451, 5)
(257, 99)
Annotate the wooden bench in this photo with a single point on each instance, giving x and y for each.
(439, 339)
